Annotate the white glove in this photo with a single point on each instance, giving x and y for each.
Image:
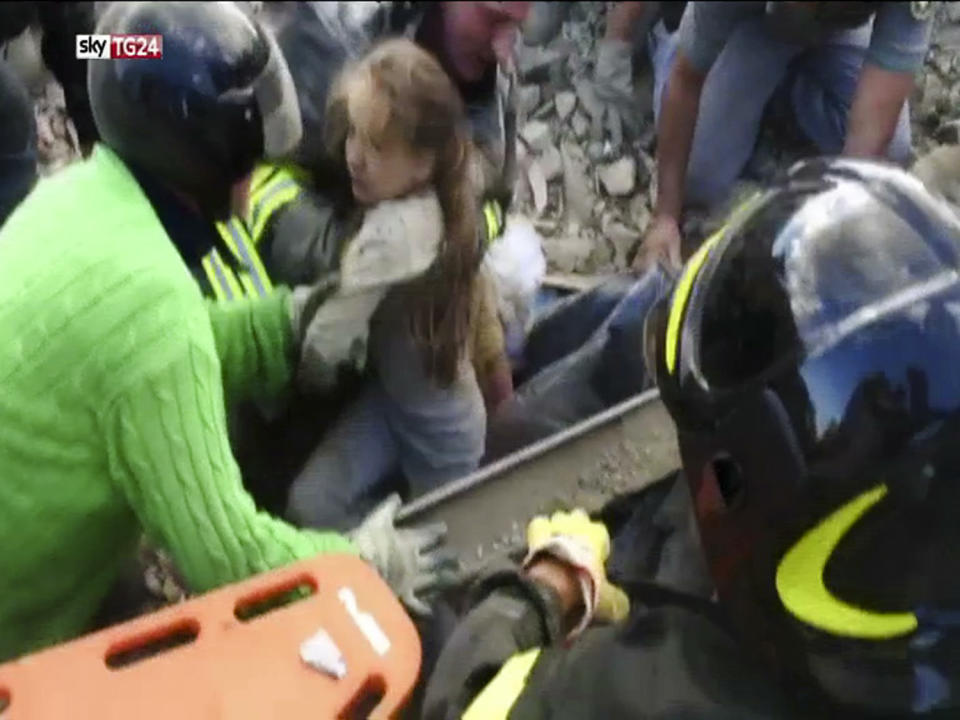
(412, 561)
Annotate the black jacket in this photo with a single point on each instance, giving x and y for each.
(673, 659)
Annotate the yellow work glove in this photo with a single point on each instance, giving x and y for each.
(573, 538)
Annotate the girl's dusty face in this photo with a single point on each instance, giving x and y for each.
(384, 170)
(382, 164)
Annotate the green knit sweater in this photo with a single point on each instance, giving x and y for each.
(112, 377)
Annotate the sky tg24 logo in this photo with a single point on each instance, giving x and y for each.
(119, 47)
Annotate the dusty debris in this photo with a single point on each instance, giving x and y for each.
(565, 103)
(528, 99)
(537, 135)
(576, 186)
(538, 185)
(595, 164)
(551, 163)
(619, 178)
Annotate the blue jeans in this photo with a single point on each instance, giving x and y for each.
(754, 66)
(403, 424)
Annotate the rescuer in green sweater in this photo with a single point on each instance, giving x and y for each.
(113, 368)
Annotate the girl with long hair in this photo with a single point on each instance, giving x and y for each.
(398, 124)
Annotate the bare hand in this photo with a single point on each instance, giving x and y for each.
(662, 244)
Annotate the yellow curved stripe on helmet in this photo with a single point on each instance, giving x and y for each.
(496, 700)
(802, 590)
(680, 297)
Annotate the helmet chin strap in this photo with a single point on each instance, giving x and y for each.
(277, 99)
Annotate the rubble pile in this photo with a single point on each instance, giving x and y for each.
(589, 188)
(591, 191)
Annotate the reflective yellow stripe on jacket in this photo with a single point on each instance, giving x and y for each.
(250, 278)
(271, 187)
(497, 699)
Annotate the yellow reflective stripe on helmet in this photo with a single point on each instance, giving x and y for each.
(680, 297)
(802, 590)
(497, 698)
(682, 294)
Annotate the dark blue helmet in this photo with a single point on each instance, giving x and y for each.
(810, 357)
(220, 99)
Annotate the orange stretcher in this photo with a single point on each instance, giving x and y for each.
(233, 653)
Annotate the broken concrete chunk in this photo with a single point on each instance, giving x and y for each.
(538, 184)
(534, 63)
(576, 186)
(536, 134)
(565, 101)
(528, 98)
(551, 163)
(580, 124)
(619, 178)
(623, 239)
(639, 212)
(567, 253)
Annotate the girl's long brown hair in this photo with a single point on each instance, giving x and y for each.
(423, 109)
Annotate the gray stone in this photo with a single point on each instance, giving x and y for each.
(592, 106)
(939, 170)
(639, 210)
(619, 178)
(648, 137)
(580, 124)
(536, 134)
(576, 186)
(528, 98)
(646, 168)
(935, 99)
(538, 184)
(601, 258)
(533, 63)
(565, 101)
(595, 151)
(943, 61)
(568, 252)
(544, 111)
(551, 163)
(953, 12)
(623, 239)
(949, 132)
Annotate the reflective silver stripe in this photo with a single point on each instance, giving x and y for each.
(224, 283)
(241, 245)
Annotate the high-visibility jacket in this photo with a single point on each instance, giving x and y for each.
(272, 187)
